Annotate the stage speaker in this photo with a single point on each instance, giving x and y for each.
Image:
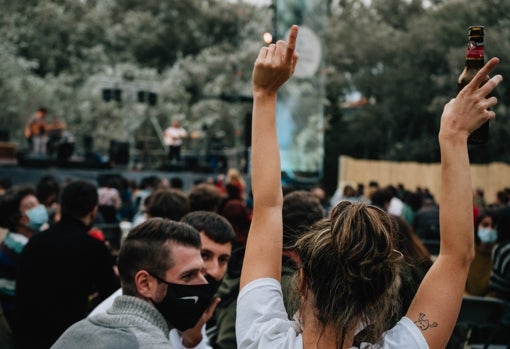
(119, 152)
(4, 135)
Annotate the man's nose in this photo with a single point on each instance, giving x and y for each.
(202, 278)
(213, 269)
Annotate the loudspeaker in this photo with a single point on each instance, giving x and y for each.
(4, 135)
(119, 152)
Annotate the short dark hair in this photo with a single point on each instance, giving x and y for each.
(176, 183)
(167, 203)
(150, 182)
(9, 205)
(216, 227)
(380, 198)
(146, 248)
(78, 199)
(301, 209)
(204, 197)
(47, 187)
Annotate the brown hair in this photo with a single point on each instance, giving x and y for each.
(351, 268)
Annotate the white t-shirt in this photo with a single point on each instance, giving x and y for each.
(396, 206)
(262, 322)
(173, 136)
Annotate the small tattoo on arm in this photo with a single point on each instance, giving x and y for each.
(424, 324)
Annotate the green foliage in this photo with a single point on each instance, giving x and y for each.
(402, 56)
(405, 59)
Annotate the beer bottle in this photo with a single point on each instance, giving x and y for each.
(475, 59)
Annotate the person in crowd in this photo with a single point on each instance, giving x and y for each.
(48, 194)
(205, 197)
(486, 236)
(168, 203)
(5, 184)
(501, 200)
(479, 199)
(165, 203)
(381, 198)
(348, 193)
(320, 193)
(373, 186)
(147, 185)
(109, 199)
(349, 267)
(235, 179)
(23, 217)
(35, 132)
(62, 272)
(426, 220)
(238, 214)
(499, 281)
(396, 204)
(163, 287)
(55, 134)
(412, 204)
(216, 237)
(301, 208)
(177, 183)
(173, 137)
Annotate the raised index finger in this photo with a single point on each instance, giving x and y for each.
(291, 43)
(481, 75)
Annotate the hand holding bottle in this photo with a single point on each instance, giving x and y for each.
(470, 109)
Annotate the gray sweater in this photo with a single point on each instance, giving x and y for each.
(130, 323)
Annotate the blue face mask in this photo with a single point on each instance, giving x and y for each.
(487, 235)
(37, 216)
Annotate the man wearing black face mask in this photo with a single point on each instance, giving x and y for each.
(61, 270)
(216, 236)
(163, 285)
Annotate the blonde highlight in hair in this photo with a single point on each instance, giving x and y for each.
(351, 268)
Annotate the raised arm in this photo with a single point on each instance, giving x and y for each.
(273, 67)
(436, 305)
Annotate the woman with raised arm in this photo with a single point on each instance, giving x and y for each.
(349, 267)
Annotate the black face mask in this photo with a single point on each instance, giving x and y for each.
(183, 305)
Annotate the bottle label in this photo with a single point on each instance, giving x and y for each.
(475, 50)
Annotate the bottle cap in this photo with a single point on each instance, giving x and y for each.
(475, 30)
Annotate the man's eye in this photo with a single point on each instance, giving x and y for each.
(224, 260)
(187, 277)
(206, 256)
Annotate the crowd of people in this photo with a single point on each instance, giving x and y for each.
(220, 266)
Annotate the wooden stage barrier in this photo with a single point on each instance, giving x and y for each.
(490, 177)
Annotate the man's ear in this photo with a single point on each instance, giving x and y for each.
(146, 285)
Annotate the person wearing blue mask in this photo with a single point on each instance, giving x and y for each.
(23, 216)
(164, 286)
(62, 272)
(477, 283)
